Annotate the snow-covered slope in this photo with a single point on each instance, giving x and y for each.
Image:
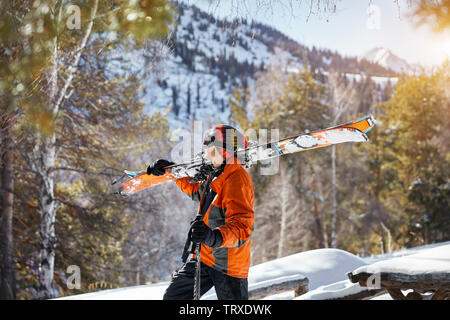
(206, 58)
(387, 59)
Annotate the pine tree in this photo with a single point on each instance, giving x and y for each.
(435, 13)
(238, 103)
(408, 169)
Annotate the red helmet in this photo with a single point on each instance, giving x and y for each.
(226, 138)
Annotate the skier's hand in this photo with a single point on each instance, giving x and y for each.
(201, 233)
(157, 168)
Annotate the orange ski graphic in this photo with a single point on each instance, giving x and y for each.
(143, 181)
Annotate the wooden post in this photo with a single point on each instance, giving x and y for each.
(297, 283)
(396, 294)
(441, 294)
(301, 289)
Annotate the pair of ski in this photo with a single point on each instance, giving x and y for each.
(199, 167)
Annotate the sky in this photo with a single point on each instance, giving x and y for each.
(354, 28)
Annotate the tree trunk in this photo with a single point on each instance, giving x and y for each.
(284, 207)
(8, 286)
(47, 206)
(319, 231)
(333, 195)
(389, 236)
(45, 158)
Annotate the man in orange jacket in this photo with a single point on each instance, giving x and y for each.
(226, 207)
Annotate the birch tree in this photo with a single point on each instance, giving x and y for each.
(342, 97)
(288, 206)
(51, 46)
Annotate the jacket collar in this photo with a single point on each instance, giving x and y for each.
(218, 182)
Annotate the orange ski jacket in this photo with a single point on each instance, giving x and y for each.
(232, 213)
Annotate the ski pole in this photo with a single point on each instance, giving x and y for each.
(197, 272)
(197, 275)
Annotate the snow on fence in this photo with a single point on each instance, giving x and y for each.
(425, 271)
(298, 283)
(341, 290)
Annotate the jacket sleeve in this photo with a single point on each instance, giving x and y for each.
(194, 190)
(238, 205)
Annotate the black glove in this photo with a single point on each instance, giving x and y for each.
(201, 233)
(157, 167)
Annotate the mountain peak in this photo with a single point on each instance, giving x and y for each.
(386, 58)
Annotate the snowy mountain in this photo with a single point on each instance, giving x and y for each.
(384, 57)
(206, 58)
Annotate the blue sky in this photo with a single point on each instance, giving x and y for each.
(351, 30)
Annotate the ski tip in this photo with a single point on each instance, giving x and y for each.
(365, 136)
(118, 179)
(371, 120)
(120, 193)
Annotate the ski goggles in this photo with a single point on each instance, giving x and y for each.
(209, 138)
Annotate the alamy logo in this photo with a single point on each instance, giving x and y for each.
(373, 21)
(74, 18)
(374, 281)
(74, 280)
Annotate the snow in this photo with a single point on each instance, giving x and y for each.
(402, 252)
(270, 282)
(326, 270)
(332, 291)
(321, 267)
(383, 80)
(211, 294)
(172, 80)
(211, 42)
(144, 292)
(430, 262)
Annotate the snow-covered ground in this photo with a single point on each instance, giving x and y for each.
(326, 270)
(321, 267)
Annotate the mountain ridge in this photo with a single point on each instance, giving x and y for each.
(208, 57)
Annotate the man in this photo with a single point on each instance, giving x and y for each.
(226, 206)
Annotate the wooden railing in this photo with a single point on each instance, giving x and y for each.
(298, 283)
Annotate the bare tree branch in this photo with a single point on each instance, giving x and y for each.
(74, 64)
